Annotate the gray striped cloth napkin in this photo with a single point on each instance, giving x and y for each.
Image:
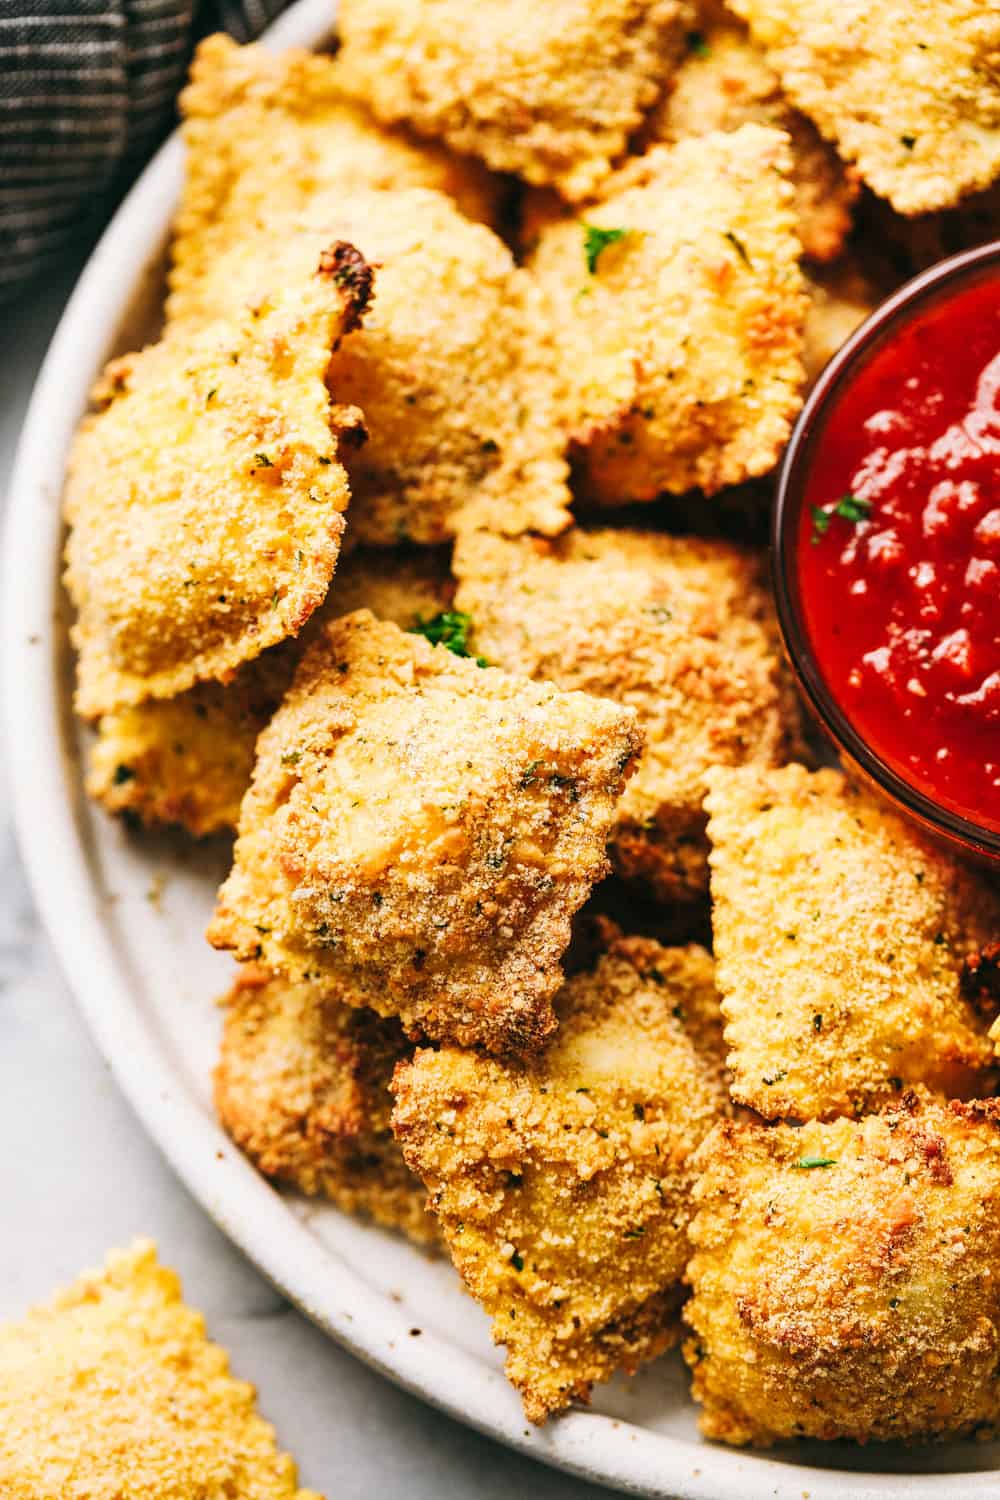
(87, 89)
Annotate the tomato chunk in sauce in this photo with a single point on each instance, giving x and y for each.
(899, 551)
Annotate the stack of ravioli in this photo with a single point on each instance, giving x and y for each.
(422, 551)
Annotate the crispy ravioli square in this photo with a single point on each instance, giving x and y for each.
(563, 1182)
(680, 628)
(911, 95)
(264, 133)
(205, 495)
(420, 830)
(678, 308)
(843, 942)
(188, 760)
(302, 1086)
(111, 1391)
(551, 92)
(844, 1276)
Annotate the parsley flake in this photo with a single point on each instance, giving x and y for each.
(853, 508)
(450, 628)
(806, 1163)
(738, 246)
(596, 240)
(697, 44)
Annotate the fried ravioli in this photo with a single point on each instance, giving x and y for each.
(680, 629)
(563, 1183)
(264, 134)
(454, 367)
(845, 1279)
(725, 82)
(111, 1391)
(678, 307)
(912, 97)
(551, 92)
(419, 832)
(206, 494)
(188, 760)
(840, 939)
(302, 1086)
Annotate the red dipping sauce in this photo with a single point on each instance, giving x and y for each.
(898, 549)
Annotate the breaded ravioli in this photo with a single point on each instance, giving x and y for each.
(551, 92)
(205, 496)
(725, 81)
(845, 1279)
(680, 629)
(911, 96)
(419, 832)
(264, 132)
(454, 367)
(563, 1183)
(111, 1391)
(302, 1086)
(678, 306)
(840, 940)
(187, 760)
(840, 298)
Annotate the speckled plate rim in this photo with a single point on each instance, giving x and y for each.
(46, 797)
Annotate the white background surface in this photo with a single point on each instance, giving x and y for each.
(77, 1175)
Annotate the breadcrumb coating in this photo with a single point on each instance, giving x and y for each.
(264, 133)
(912, 96)
(205, 495)
(419, 832)
(681, 335)
(302, 1086)
(454, 367)
(111, 1391)
(840, 298)
(188, 760)
(680, 629)
(724, 82)
(551, 92)
(845, 1278)
(563, 1184)
(840, 937)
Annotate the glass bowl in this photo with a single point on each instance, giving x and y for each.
(941, 280)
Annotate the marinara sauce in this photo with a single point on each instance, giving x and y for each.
(899, 551)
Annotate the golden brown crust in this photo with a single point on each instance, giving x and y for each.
(188, 760)
(681, 349)
(454, 368)
(419, 832)
(911, 97)
(724, 82)
(302, 1086)
(840, 298)
(680, 629)
(839, 940)
(551, 92)
(205, 495)
(111, 1391)
(563, 1183)
(857, 1299)
(264, 134)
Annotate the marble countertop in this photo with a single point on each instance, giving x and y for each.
(79, 1176)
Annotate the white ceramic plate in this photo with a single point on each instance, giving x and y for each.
(126, 917)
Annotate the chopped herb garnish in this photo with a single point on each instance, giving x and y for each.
(738, 246)
(853, 508)
(262, 461)
(909, 141)
(817, 1022)
(291, 757)
(123, 774)
(697, 44)
(637, 1233)
(596, 240)
(517, 1261)
(529, 774)
(806, 1163)
(775, 1077)
(450, 628)
(211, 394)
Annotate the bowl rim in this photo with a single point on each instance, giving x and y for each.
(890, 314)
